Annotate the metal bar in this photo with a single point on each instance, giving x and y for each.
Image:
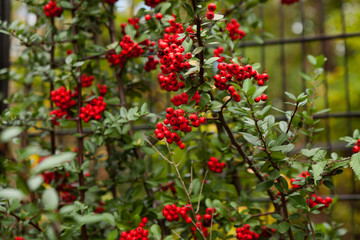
(326, 69)
(342, 197)
(282, 56)
(320, 37)
(329, 115)
(5, 52)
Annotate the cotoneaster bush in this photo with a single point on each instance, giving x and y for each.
(215, 144)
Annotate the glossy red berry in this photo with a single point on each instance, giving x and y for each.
(212, 7)
(257, 99)
(356, 149)
(159, 16)
(147, 17)
(188, 55)
(263, 97)
(210, 15)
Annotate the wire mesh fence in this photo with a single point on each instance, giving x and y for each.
(291, 48)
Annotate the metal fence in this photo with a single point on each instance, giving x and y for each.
(282, 41)
(323, 40)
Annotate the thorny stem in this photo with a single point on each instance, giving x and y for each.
(80, 157)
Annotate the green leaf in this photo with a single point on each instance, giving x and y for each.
(355, 164)
(66, 5)
(211, 60)
(10, 133)
(216, 106)
(204, 100)
(263, 186)
(164, 7)
(112, 235)
(318, 169)
(251, 139)
(197, 50)
(290, 95)
(298, 201)
(311, 59)
(155, 231)
(246, 85)
(283, 126)
(283, 148)
(53, 161)
(309, 152)
(259, 91)
(35, 182)
(217, 17)
(11, 193)
(277, 216)
(283, 227)
(50, 199)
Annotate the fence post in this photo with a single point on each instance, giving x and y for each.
(5, 52)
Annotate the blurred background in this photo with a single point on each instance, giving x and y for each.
(280, 38)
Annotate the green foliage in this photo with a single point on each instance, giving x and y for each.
(119, 172)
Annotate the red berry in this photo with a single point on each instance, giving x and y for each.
(356, 149)
(257, 99)
(210, 15)
(188, 55)
(263, 97)
(212, 7)
(159, 16)
(358, 142)
(147, 17)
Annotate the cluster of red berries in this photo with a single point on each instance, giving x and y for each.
(172, 213)
(289, 1)
(356, 148)
(183, 98)
(102, 89)
(93, 109)
(215, 166)
(132, 21)
(234, 30)
(210, 14)
(263, 97)
(217, 53)
(58, 114)
(245, 233)
(267, 232)
(151, 64)
(51, 10)
(230, 71)
(18, 238)
(139, 233)
(177, 121)
(314, 200)
(153, 3)
(112, 2)
(169, 185)
(86, 81)
(172, 58)
(301, 175)
(100, 208)
(129, 49)
(63, 99)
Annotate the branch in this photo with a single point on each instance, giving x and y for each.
(292, 117)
